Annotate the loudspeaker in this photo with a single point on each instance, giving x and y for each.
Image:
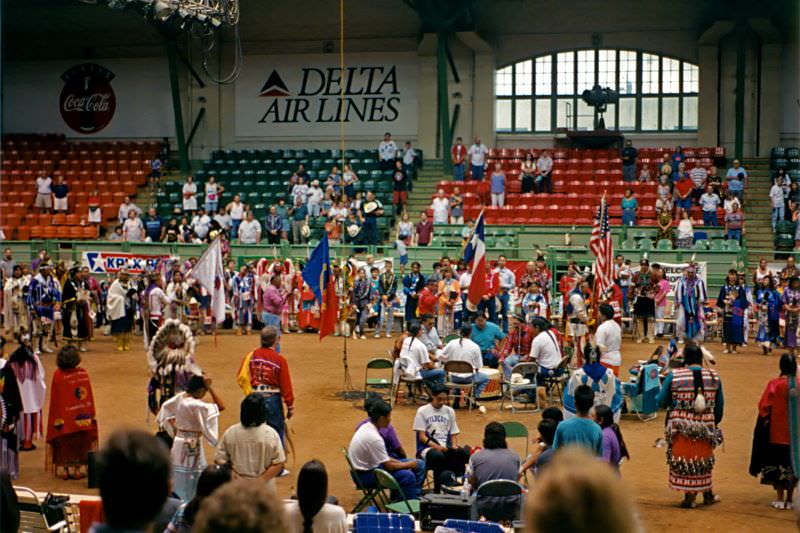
(434, 509)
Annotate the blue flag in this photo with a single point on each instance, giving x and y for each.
(318, 268)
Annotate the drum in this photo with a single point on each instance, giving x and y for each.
(493, 389)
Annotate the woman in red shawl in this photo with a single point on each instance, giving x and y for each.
(71, 422)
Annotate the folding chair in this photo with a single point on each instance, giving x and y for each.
(31, 513)
(554, 384)
(368, 494)
(402, 505)
(381, 522)
(460, 367)
(528, 371)
(517, 430)
(380, 383)
(499, 488)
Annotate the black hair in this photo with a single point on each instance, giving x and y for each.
(607, 311)
(413, 329)
(494, 436)
(465, 331)
(584, 398)
(377, 409)
(788, 365)
(540, 323)
(547, 430)
(606, 417)
(437, 389)
(253, 411)
(426, 317)
(196, 384)
(553, 413)
(143, 462)
(692, 354)
(211, 478)
(312, 492)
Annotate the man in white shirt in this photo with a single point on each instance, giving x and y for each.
(250, 230)
(776, 199)
(43, 201)
(430, 337)
(477, 158)
(608, 339)
(544, 348)
(544, 171)
(441, 208)
(201, 223)
(125, 207)
(315, 196)
(409, 160)
(387, 152)
(464, 349)
(709, 202)
(156, 302)
(133, 228)
(300, 191)
(506, 282)
(416, 360)
(236, 211)
(437, 437)
(367, 451)
(698, 176)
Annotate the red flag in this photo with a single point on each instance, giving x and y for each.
(329, 310)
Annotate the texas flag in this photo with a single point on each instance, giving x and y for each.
(475, 258)
(319, 278)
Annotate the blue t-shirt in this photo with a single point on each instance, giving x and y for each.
(580, 431)
(486, 337)
(60, 190)
(629, 203)
(300, 213)
(735, 185)
(152, 227)
(498, 183)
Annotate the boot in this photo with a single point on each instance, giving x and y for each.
(120, 343)
(126, 341)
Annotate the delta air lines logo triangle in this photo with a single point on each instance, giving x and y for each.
(274, 86)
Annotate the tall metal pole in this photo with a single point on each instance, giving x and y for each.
(444, 103)
(741, 63)
(172, 57)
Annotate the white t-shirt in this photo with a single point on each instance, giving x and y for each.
(200, 225)
(189, 202)
(464, 350)
(545, 351)
(464, 280)
(438, 424)
(544, 164)
(709, 202)
(329, 519)
(776, 195)
(249, 230)
(409, 156)
(132, 228)
(413, 355)
(685, 229)
(609, 338)
(301, 192)
(43, 185)
(237, 210)
(387, 150)
(729, 204)
(477, 154)
(315, 195)
(441, 209)
(367, 451)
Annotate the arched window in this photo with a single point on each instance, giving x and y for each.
(539, 95)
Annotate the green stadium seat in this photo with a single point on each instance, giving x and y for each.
(174, 197)
(717, 245)
(664, 244)
(700, 244)
(645, 244)
(732, 245)
(248, 185)
(234, 185)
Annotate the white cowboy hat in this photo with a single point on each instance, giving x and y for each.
(305, 231)
(353, 229)
(518, 379)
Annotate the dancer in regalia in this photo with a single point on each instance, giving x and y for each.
(791, 313)
(15, 310)
(768, 309)
(44, 297)
(243, 292)
(121, 309)
(170, 358)
(732, 301)
(75, 311)
(29, 371)
(690, 295)
(10, 411)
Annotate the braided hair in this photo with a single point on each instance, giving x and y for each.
(312, 491)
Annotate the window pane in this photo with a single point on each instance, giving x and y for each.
(585, 70)
(502, 115)
(544, 75)
(523, 77)
(585, 116)
(502, 83)
(690, 112)
(522, 116)
(649, 114)
(627, 113)
(565, 111)
(610, 117)
(671, 76)
(649, 73)
(543, 119)
(627, 72)
(691, 78)
(607, 68)
(565, 71)
(669, 113)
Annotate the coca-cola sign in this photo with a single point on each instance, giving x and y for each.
(87, 101)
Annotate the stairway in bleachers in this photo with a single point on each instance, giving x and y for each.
(421, 196)
(757, 209)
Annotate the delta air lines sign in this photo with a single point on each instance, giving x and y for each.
(308, 96)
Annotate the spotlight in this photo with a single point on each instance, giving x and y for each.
(215, 22)
(161, 10)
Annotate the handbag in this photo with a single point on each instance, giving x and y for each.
(54, 508)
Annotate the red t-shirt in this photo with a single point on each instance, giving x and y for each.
(458, 153)
(424, 231)
(426, 303)
(684, 187)
(268, 367)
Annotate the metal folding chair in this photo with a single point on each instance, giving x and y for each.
(460, 367)
(382, 384)
(368, 494)
(529, 371)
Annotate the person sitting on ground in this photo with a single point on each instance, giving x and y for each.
(212, 478)
(143, 462)
(310, 513)
(580, 429)
(614, 449)
(241, 507)
(494, 461)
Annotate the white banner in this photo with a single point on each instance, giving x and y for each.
(674, 271)
(299, 96)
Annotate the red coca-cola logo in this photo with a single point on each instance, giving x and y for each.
(87, 101)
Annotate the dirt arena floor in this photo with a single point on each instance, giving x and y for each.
(323, 424)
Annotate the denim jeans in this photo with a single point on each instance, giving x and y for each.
(211, 207)
(477, 172)
(480, 381)
(387, 317)
(432, 376)
(504, 300)
(458, 172)
(509, 363)
(498, 199)
(544, 184)
(710, 218)
(313, 209)
(235, 227)
(629, 217)
(275, 321)
(629, 172)
(625, 301)
(777, 216)
(735, 234)
(275, 416)
(409, 480)
(488, 305)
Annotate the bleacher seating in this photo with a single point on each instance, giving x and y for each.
(114, 168)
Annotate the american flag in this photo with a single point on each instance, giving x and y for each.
(602, 248)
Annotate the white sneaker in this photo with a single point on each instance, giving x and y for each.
(363, 337)
(285, 472)
(482, 410)
(388, 336)
(725, 350)
(376, 336)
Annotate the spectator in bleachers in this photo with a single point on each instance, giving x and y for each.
(155, 171)
(409, 161)
(370, 211)
(95, 211)
(684, 237)
(477, 158)
(729, 202)
(440, 207)
(498, 186)
(315, 196)
(333, 183)
(213, 190)
(698, 176)
(735, 178)
(544, 172)
(133, 229)
(777, 202)
(283, 212)
(249, 230)
(299, 173)
(734, 224)
(349, 180)
(400, 181)
(189, 192)
(201, 223)
(300, 191)
(405, 230)
(644, 175)
(172, 232)
(629, 154)
(676, 159)
(709, 203)
(665, 169)
(458, 155)
(387, 152)
(153, 227)
(186, 231)
(456, 207)
(528, 170)
(664, 194)
(683, 192)
(273, 226)
(60, 195)
(236, 210)
(124, 207)
(714, 180)
(629, 207)
(116, 235)
(736, 171)
(44, 192)
(424, 230)
(299, 214)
